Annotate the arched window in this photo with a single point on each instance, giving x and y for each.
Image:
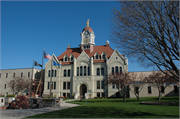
(98, 71)
(65, 59)
(112, 70)
(104, 57)
(81, 71)
(77, 71)
(102, 71)
(120, 69)
(84, 70)
(68, 72)
(49, 73)
(88, 71)
(65, 73)
(97, 57)
(54, 73)
(116, 69)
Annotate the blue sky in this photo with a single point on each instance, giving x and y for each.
(28, 27)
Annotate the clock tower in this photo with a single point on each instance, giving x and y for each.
(87, 39)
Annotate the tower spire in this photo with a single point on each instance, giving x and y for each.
(88, 22)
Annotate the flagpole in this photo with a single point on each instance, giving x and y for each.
(31, 78)
(51, 78)
(41, 73)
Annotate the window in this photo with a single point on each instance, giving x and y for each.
(54, 85)
(72, 58)
(49, 73)
(103, 57)
(98, 84)
(120, 69)
(64, 85)
(64, 73)
(6, 75)
(28, 74)
(1, 100)
(136, 89)
(88, 71)
(64, 94)
(84, 70)
(149, 89)
(113, 86)
(68, 85)
(54, 73)
(13, 75)
(4, 86)
(102, 84)
(77, 71)
(102, 71)
(48, 85)
(116, 69)
(81, 71)
(68, 72)
(112, 70)
(21, 74)
(97, 57)
(68, 95)
(103, 95)
(98, 71)
(162, 89)
(175, 89)
(65, 59)
(0, 75)
(98, 94)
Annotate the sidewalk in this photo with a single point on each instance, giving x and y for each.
(18, 114)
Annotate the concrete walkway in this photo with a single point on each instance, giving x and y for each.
(18, 114)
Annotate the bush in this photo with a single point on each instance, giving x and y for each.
(10, 96)
(47, 100)
(95, 97)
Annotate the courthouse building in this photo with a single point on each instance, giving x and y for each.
(85, 65)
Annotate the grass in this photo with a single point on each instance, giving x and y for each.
(116, 108)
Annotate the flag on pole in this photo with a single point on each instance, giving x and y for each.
(47, 56)
(56, 64)
(37, 64)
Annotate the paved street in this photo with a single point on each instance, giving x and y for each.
(18, 114)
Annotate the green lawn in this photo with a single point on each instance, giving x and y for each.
(116, 108)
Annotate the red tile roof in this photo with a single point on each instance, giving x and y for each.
(77, 51)
(88, 28)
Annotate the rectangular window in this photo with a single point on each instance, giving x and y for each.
(48, 86)
(98, 84)
(4, 86)
(149, 89)
(98, 94)
(64, 85)
(84, 70)
(77, 71)
(54, 85)
(68, 95)
(21, 74)
(80, 71)
(102, 84)
(162, 89)
(64, 73)
(175, 89)
(28, 74)
(6, 75)
(112, 70)
(68, 85)
(113, 86)
(14, 75)
(68, 72)
(103, 94)
(64, 94)
(116, 69)
(55, 73)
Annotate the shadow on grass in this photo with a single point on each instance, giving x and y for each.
(100, 112)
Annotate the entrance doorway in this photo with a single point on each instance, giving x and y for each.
(83, 91)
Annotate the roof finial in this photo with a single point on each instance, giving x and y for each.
(88, 22)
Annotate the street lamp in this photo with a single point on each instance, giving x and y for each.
(81, 92)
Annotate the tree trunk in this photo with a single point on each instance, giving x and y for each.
(124, 98)
(159, 95)
(138, 96)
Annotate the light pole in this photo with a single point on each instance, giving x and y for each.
(81, 92)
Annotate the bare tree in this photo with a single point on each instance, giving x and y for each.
(160, 81)
(18, 84)
(122, 81)
(149, 32)
(137, 83)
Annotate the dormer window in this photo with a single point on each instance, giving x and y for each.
(96, 56)
(65, 58)
(72, 58)
(103, 56)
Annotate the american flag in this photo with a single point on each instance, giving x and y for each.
(47, 56)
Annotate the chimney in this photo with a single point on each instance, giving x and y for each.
(68, 47)
(107, 43)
